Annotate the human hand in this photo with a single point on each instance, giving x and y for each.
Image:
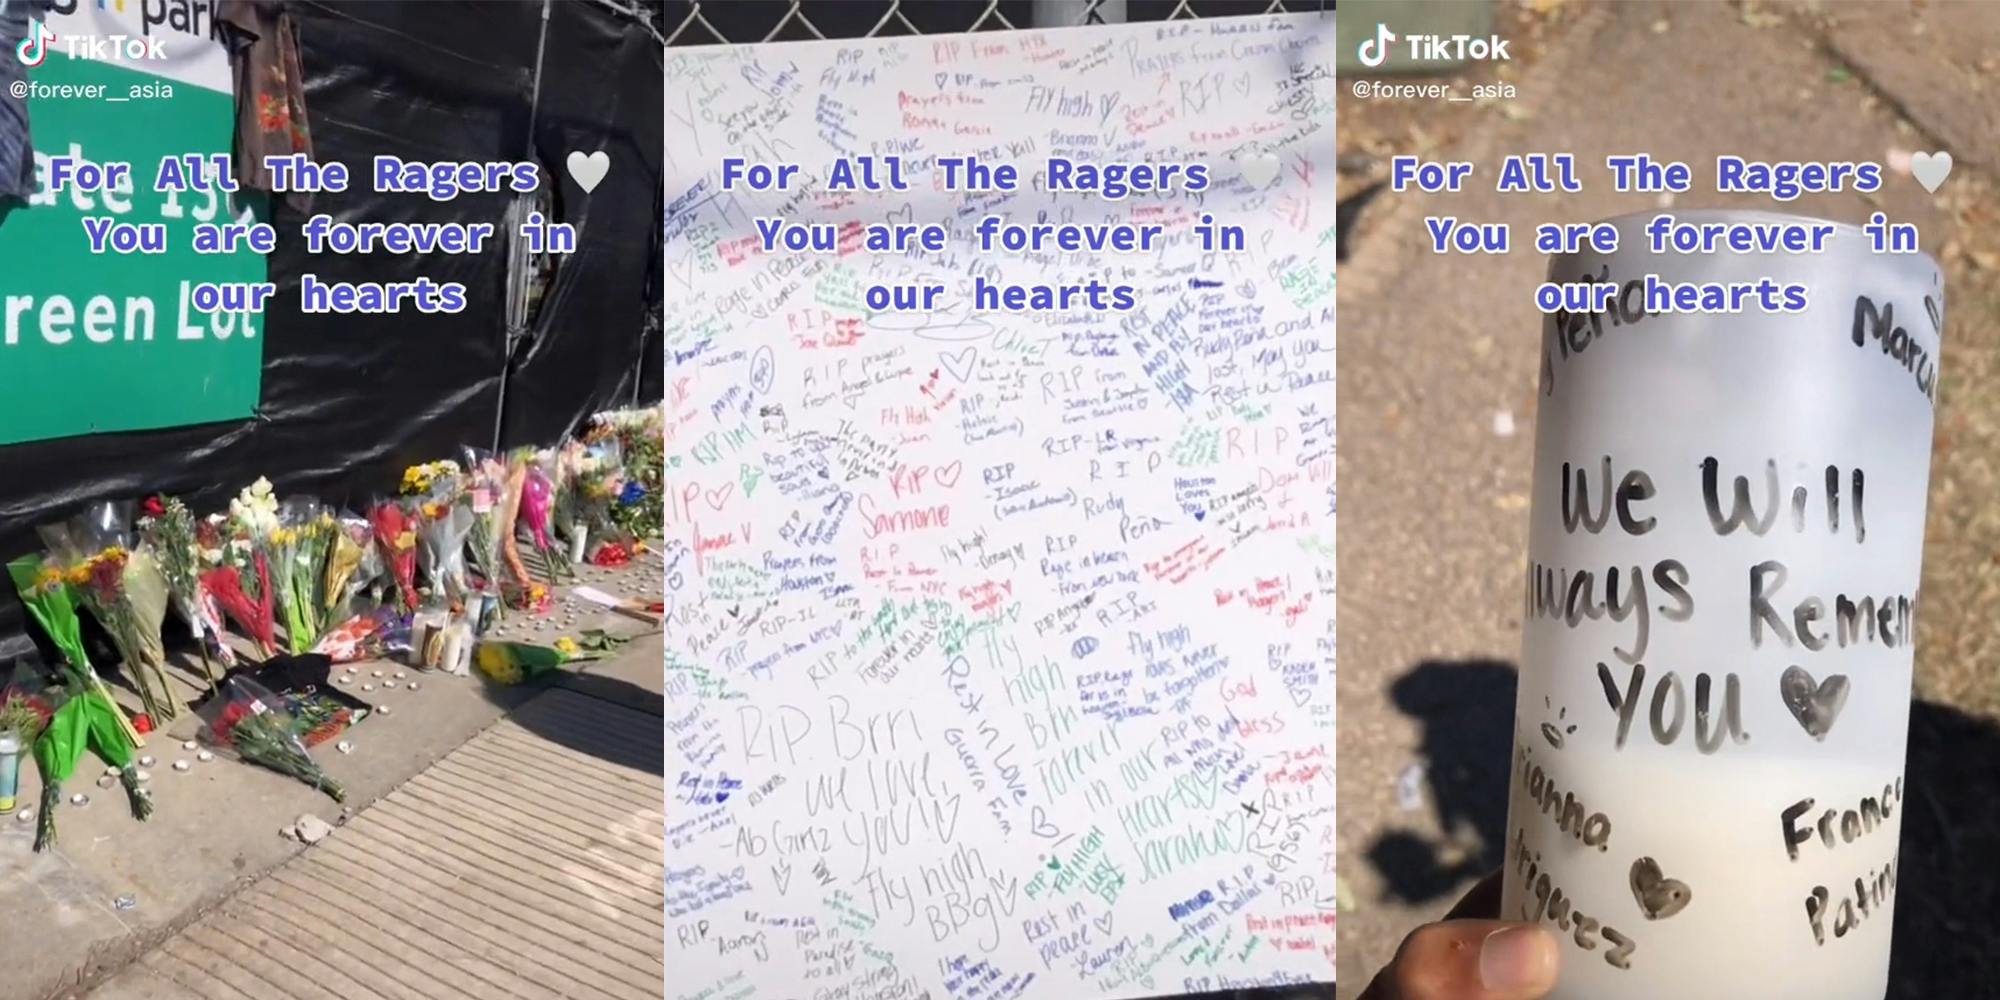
(1471, 956)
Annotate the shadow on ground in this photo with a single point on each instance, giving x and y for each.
(591, 729)
(1467, 711)
(1948, 888)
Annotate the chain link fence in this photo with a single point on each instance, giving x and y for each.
(734, 22)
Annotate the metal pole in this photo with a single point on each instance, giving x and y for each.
(517, 301)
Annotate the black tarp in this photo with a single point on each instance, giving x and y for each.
(349, 400)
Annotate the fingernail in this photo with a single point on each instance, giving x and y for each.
(1514, 959)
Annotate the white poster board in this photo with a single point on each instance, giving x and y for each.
(1000, 644)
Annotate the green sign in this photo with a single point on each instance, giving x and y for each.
(95, 342)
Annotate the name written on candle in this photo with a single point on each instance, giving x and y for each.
(1593, 829)
(1585, 931)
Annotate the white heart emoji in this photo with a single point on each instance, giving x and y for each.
(1930, 169)
(588, 169)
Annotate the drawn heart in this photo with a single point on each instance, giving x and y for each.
(720, 495)
(1816, 706)
(1103, 924)
(947, 475)
(1200, 514)
(1930, 169)
(1659, 897)
(721, 797)
(1301, 695)
(940, 78)
(960, 364)
(1039, 821)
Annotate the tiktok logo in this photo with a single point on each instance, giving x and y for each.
(1380, 46)
(34, 49)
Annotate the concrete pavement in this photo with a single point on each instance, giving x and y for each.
(115, 889)
(527, 863)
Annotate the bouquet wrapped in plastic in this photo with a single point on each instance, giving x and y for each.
(520, 588)
(352, 563)
(396, 539)
(383, 633)
(444, 520)
(25, 710)
(509, 663)
(126, 592)
(297, 552)
(493, 497)
(599, 478)
(247, 719)
(238, 575)
(538, 503)
(81, 715)
(423, 480)
(170, 530)
(641, 438)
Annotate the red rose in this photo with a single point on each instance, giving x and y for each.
(153, 507)
(142, 723)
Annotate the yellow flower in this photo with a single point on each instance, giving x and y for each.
(434, 511)
(406, 540)
(567, 647)
(494, 663)
(79, 574)
(417, 479)
(50, 579)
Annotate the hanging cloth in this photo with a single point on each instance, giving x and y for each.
(263, 41)
(17, 151)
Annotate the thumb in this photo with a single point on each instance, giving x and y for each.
(1470, 960)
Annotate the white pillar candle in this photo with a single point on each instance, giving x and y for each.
(1707, 784)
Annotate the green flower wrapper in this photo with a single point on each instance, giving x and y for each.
(87, 719)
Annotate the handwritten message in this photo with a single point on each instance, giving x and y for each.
(1719, 606)
(1000, 621)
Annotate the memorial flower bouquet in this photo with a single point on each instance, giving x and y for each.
(383, 633)
(255, 509)
(422, 480)
(125, 591)
(519, 588)
(238, 574)
(538, 497)
(486, 484)
(81, 715)
(249, 720)
(170, 529)
(396, 539)
(352, 563)
(511, 663)
(599, 480)
(564, 464)
(444, 520)
(297, 548)
(641, 438)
